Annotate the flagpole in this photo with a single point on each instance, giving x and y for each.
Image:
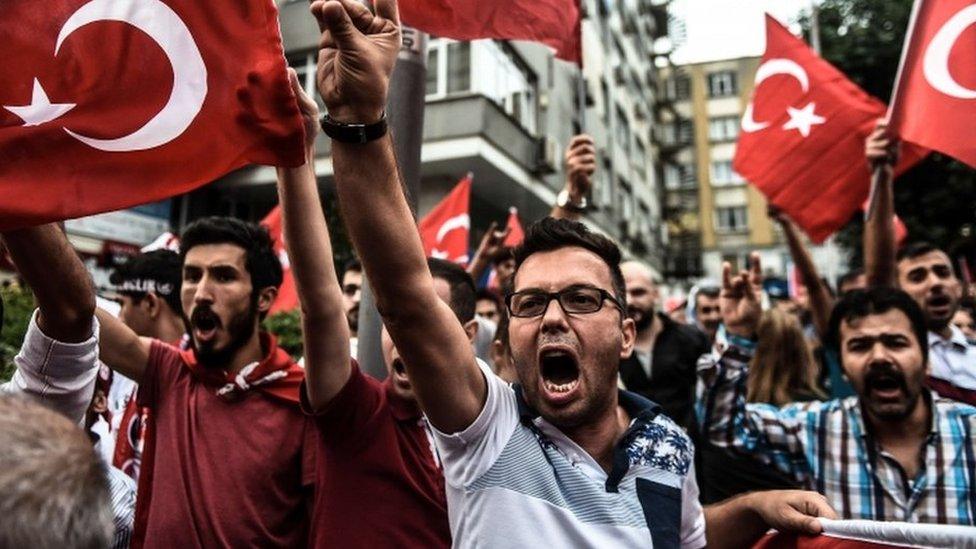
(916, 6)
(815, 27)
(405, 111)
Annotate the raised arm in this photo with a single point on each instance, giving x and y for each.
(491, 246)
(580, 165)
(359, 50)
(324, 326)
(821, 301)
(63, 289)
(881, 151)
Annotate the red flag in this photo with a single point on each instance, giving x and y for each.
(287, 299)
(105, 104)
(802, 140)
(933, 103)
(555, 23)
(445, 229)
(515, 232)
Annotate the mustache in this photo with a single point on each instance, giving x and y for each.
(204, 315)
(881, 373)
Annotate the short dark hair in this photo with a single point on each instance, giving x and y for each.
(352, 265)
(262, 263)
(849, 276)
(912, 250)
(877, 300)
(158, 271)
(549, 234)
(492, 295)
(461, 284)
(707, 291)
(504, 254)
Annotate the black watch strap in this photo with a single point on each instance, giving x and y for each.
(354, 133)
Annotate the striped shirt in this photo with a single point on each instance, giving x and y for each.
(123, 493)
(826, 447)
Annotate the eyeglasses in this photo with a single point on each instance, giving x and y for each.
(573, 300)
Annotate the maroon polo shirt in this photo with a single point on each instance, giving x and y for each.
(224, 473)
(378, 483)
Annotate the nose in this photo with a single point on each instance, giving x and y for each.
(554, 318)
(204, 291)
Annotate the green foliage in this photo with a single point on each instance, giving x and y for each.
(936, 199)
(287, 327)
(18, 305)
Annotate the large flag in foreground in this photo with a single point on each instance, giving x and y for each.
(287, 299)
(935, 98)
(445, 229)
(555, 23)
(802, 139)
(106, 104)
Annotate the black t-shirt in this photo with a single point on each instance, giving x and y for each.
(674, 374)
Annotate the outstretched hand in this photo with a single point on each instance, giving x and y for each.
(357, 52)
(792, 511)
(740, 298)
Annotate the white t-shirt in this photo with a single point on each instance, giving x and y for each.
(514, 480)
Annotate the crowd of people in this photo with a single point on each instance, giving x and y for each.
(564, 407)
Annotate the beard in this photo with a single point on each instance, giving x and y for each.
(642, 318)
(352, 317)
(888, 377)
(240, 328)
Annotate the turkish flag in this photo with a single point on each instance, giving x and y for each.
(555, 23)
(515, 232)
(935, 99)
(287, 299)
(802, 138)
(870, 534)
(444, 230)
(106, 104)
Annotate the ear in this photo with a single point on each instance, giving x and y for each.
(629, 334)
(471, 329)
(99, 403)
(266, 298)
(153, 305)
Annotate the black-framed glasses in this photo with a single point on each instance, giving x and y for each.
(573, 300)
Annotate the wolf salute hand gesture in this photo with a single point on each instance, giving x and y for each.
(358, 51)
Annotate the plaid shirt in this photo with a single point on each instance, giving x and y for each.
(826, 447)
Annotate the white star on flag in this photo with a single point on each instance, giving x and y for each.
(41, 109)
(803, 119)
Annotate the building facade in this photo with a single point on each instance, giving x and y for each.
(505, 111)
(712, 214)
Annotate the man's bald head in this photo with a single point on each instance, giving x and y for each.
(53, 488)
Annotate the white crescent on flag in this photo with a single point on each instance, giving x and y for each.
(767, 70)
(935, 64)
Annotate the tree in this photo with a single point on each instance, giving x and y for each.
(937, 198)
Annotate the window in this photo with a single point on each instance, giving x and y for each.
(677, 88)
(735, 219)
(724, 128)
(722, 84)
(305, 64)
(679, 176)
(626, 200)
(458, 67)
(723, 174)
(433, 64)
(639, 158)
(606, 101)
(686, 132)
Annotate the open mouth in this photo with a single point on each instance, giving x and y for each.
(560, 372)
(399, 367)
(886, 385)
(205, 323)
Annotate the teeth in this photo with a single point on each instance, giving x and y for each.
(564, 388)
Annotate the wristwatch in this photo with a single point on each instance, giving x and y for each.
(354, 133)
(563, 201)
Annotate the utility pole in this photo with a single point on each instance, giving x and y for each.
(405, 113)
